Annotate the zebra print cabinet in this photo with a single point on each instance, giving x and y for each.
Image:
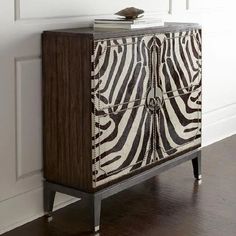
(119, 107)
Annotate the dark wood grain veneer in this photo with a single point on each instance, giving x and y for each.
(66, 113)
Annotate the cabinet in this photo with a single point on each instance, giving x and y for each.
(119, 107)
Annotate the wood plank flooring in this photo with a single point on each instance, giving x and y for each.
(171, 204)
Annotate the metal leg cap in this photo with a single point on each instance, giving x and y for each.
(49, 218)
(199, 177)
(96, 228)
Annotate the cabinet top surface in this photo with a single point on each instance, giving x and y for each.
(105, 33)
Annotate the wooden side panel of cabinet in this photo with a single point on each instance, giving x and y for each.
(67, 110)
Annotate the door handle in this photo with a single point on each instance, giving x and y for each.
(154, 99)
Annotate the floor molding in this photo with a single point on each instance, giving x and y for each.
(219, 124)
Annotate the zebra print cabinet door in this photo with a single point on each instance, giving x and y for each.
(123, 142)
(179, 113)
(147, 101)
(121, 71)
(123, 127)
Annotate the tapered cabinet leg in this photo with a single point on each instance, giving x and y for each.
(95, 205)
(48, 198)
(196, 162)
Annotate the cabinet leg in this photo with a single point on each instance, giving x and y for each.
(196, 162)
(48, 199)
(95, 205)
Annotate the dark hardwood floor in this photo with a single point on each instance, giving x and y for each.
(171, 204)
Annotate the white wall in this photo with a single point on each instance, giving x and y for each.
(21, 23)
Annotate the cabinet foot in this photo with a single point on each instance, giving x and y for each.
(95, 205)
(196, 162)
(49, 196)
(49, 217)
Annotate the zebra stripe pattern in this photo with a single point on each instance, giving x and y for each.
(146, 96)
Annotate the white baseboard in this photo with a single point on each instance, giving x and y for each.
(219, 124)
(24, 208)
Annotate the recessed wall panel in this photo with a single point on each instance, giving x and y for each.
(31, 9)
(28, 116)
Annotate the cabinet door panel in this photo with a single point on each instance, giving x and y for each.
(123, 142)
(179, 84)
(146, 93)
(180, 61)
(179, 123)
(121, 71)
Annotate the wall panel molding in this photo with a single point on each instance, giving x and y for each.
(170, 7)
(173, 6)
(23, 15)
(187, 4)
(79, 20)
(71, 18)
(17, 9)
(23, 156)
